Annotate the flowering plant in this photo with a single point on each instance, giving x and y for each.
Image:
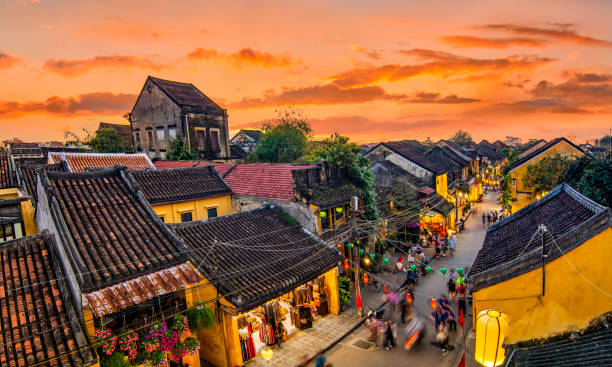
(158, 329)
(158, 359)
(129, 344)
(168, 340)
(180, 324)
(104, 339)
(190, 346)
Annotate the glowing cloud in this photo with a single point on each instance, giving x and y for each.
(246, 57)
(481, 42)
(72, 68)
(7, 61)
(563, 32)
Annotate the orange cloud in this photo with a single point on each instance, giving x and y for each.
(563, 32)
(584, 94)
(71, 68)
(7, 61)
(246, 57)
(437, 63)
(317, 95)
(84, 104)
(424, 97)
(481, 42)
(580, 77)
(373, 54)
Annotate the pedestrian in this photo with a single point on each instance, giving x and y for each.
(444, 247)
(321, 360)
(436, 316)
(280, 333)
(451, 288)
(488, 219)
(442, 336)
(438, 250)
(405, 307)
(461, 298)
(372, 329)
(449, 320)
(451, 245)
(484, 219)
(388, 339)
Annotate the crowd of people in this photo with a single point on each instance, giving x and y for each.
(492, 217)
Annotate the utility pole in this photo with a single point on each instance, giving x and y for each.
(542, 230)
(353, 216)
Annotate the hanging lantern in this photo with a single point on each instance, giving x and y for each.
(366, 278)
(346, 264)
(460, 280)
(358, 242)
(408, 297)
(350, 245)
(433, 303)
(460, 271)
(361, 251)
(373, 255)
(386, 289)
(385, 260)
(428, 269)
(267, 354)
(443, 270)
(491, 327)
(323, 214)
(339, 209)
(412, 267)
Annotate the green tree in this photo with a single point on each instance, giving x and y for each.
(592, 176)
(506, 190)
(340, 151)
(547, 173)
(462, 138)
(283, 140)
(178, 150)
(106, 140)
(605, 141)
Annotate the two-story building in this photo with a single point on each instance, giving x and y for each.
(166, 110)
(185, 194)
(546, 267)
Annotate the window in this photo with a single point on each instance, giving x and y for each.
(214, 139)
(137, 137)
(163, 219)
(325, 222)
(161, 134)
(150, 137)
(172, 132)
(186, 217)
(212, 212)
(201, 138)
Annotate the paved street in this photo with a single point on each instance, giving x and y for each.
(433, 285)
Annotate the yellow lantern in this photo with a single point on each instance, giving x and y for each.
(267, 354)
(491, 327)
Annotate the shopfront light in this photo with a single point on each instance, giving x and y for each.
(491, 328)
(267, 354)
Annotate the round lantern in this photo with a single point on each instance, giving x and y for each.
(460, 271)
(412, 267)
(491, 328)
(346, 264)
(427, 269)
(433, 303)
(350, 245)
(386, 289)
(443, 270)
(408, 297)
(267, 354)
(373, 255)
(366, 278)
(323, 214)
(339, 209)
(361, 251)
(357, 242)
(385, 260)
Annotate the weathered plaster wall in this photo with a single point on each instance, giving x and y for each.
(199, 208)
(302, 213)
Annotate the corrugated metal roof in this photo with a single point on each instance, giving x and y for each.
(134, 291)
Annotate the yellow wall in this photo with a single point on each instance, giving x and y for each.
(10, 193)
(442, 185)
(333, 299)
(562, 148)
(198, 208)
(29, 220)
(569, 301)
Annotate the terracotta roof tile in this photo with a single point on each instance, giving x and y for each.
(80, 162)
(165, 185)
(29, 178)
(272, 181)
(7, 176)
(411, 151)
(116, 235)
(39, 321)
(262, 254)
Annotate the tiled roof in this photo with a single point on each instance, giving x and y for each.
(401, 173)
(272, 181)
(28, 176)
(176, 184)
(446, 158)
(507, 251)
(438, 204)
(531, 147)
(541, 150)
(7, 176)
(187, 96)
(328, 196)
(114, 233)
(592, 348)
(80, 162)
(409, 150)
(222, 168)
(134, 291)
(500, 145)
(260, 256)
(237, 152)
(39, 320)
(484, 148)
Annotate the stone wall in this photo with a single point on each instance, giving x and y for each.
(300, 212)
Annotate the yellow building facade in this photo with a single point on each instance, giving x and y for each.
(198, 208)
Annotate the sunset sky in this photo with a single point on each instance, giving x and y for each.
(373, 70)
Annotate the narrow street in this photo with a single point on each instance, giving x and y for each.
(355, 351)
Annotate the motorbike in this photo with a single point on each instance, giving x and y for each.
(460, 225)
(415, 330)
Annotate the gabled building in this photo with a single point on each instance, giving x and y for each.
(247, 139)
(185, 194)
(166, 109)
(560, 146)
(408, 154)
(259, 265)
(488, 152)
(531, 147)
(124, 131)
(551, 280)
(499, 145)
(82, 162)
(40, 322)
(118, 255)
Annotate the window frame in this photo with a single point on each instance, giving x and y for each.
(190, 212)
(203, 130)
(218, 133)
(163, 133)
(208, 212)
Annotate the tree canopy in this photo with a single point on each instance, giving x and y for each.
(462, 138)
(592, 176)
(283, 140)
(106, 140)
(179, 150)
(547, 173)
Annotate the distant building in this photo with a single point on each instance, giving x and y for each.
(512, 141)
(165, 110)
(124, 131)
(247, 139)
